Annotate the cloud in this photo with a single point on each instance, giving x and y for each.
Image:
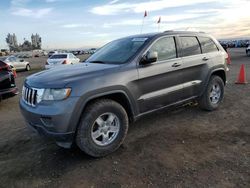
(177, 17)
(19, 2)
(72, 25)
(129, 22)
(118, 8)
(113, 2)
(52, 1)
(75, 25)
(102, 35)
(35, 13)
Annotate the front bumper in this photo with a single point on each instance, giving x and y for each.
(54, 119)
(7, 93)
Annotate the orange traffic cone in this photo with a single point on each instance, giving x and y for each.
(242, 76)
(228, 59)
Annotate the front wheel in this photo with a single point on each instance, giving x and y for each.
(102, 128)
(213, 94)
(28, 67)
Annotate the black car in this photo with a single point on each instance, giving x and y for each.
(7, 82)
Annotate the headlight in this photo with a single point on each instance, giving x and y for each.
(56, 94)
(52, 94)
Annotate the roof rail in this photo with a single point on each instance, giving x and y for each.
(168, 31)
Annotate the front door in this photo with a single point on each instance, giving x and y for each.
(160, 83)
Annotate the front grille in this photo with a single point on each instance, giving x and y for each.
(29, 95)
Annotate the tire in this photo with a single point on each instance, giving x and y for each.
(27, 67)
(91, 126)
(248, 52)
(213, 94)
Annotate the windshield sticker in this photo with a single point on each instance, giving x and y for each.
(139, 39)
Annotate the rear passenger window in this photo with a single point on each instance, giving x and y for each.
(190, 46)
(165, 48)
(207, 45)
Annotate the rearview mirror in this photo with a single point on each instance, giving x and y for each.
(150, 57)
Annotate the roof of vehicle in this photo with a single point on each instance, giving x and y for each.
(63, 53)
(169, 32)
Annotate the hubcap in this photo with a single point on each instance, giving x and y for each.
(215, 94)
(105, 129)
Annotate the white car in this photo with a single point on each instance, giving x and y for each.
(61, 59)
(15, 62)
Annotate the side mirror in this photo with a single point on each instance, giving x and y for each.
(150, 57)
(21, 60)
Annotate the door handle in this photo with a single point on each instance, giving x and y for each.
(176, 65)
(205, 58)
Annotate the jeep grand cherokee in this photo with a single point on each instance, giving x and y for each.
(92, 103)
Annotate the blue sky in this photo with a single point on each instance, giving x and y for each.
(82, 23)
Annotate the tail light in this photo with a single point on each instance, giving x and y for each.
(65, 62)
(14, 72)
(6, 67)
(228, 59)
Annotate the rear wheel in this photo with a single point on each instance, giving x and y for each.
(248, 52)
(28, 67)
(102, 128)
(213, 94)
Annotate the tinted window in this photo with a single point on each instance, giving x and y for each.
(190, 46)
(118, 51)
(59, 56)
(12, 59)
(207, 45)
(165, 48)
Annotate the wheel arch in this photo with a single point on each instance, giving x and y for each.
(119, 96)
(217, 72)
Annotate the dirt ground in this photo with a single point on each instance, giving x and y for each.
(185, 147)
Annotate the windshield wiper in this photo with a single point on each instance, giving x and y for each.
(101, 62)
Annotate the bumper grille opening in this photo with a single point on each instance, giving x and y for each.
(29, 96)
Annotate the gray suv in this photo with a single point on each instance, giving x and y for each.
(92, 103)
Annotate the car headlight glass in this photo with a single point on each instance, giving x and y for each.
(56, 94)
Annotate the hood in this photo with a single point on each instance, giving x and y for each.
(60, 76)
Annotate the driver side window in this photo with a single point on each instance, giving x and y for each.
(165, 47)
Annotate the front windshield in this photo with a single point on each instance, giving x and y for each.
(118, 51)
(58, 56)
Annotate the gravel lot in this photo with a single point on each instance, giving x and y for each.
(185, 147)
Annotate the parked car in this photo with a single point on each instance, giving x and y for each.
(76, 52)
(225, 46)
(92, 50)
(61, 59)
(93, 103)
(248, 51)
(7, 81)
(15, 62)
(26, 55)
(52, 53)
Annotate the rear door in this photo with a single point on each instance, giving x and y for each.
(159, 82)
(16, 62)
(195, 66)
(19, 64)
